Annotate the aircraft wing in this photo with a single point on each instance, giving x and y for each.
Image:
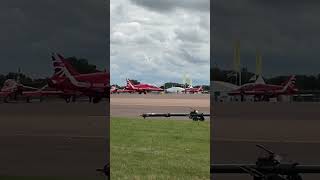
(4, 94)
(41, 93)
(253, 92)
(225, 85)
(124, 90)
(29, 87)
(152, 89)
(46, 93)
(31, 93)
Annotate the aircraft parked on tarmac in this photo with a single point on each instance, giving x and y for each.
(142, 88)
(263, 91)
(12, 90)
(72, 83)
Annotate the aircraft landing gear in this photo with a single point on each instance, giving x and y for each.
(5, 100)
(73, 98)
(67, 99)
(266, 98)
(242, 97)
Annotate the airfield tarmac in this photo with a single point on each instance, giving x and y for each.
(53, 139)
(289, 129)
(133, 105)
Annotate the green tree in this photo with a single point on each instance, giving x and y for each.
(82, 65)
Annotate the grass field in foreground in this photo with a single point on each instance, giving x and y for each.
(159, 149)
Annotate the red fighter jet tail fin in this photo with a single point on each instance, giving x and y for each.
(290, 84)
(130, 85)
(66, 64)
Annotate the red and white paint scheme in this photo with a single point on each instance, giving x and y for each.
(263, 91)
(13, 89)
(71, 82)
(142, 88)
(115, 90)
(193, 90)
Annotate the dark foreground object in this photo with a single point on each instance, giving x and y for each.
(267, 168)
(105, 170)
(194, 115)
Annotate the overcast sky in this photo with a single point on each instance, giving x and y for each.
(31, 30)
(286, 32)
(172, 34)
(158, 41)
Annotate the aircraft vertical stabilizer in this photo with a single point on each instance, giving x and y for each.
(291, 82)
(66, 64)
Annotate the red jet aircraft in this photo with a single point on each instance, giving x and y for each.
(141, 88)
(193, 90)
(72, 83)
(115, 90)
(266, 91)
(12, 89)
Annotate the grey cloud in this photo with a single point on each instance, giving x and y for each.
(192, 34)
(161, 36)
(33, 29)
(169, 5)
(280, 30)
(190, 58)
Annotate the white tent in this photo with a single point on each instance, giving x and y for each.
(221, 86)
(175, 90)
(260, 80)
(257, 79)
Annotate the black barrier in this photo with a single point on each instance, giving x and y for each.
(266, 168)
(194, 115)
